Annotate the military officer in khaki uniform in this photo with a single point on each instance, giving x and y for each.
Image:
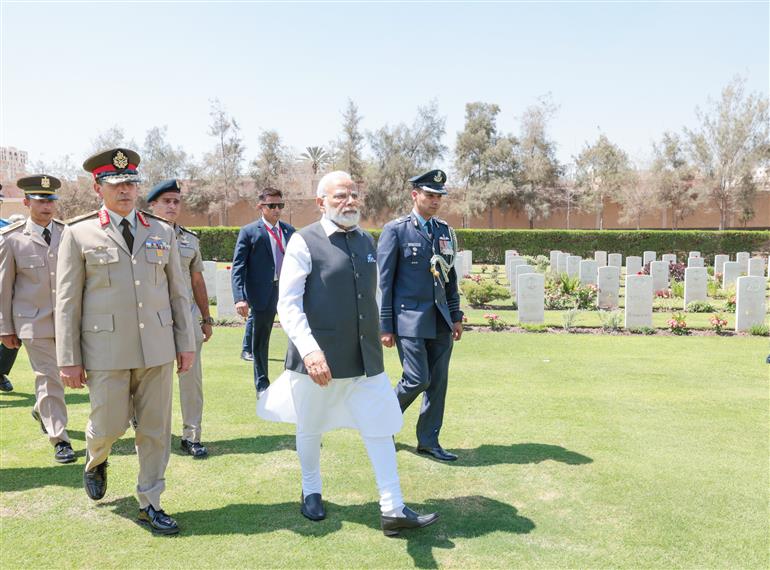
(165, 201)
(122, 317)
(28, 253)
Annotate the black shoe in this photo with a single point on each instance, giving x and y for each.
(5, 383)
(247, 356)
(158, 521)
(95, 481)
(262, 385)
(312, 507)
(392, 526)
(133, 422)
(37, 418)
(64, 453)
(437, 452)
(195, 449)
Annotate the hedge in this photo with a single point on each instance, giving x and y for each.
(489, 246)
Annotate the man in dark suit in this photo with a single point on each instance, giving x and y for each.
(420, 310)
(256, 267)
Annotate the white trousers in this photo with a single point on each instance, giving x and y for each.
(382, 455)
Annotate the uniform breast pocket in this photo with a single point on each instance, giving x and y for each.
(98, 262)
(31, 266)
(158, 259)
(186, 251)
(412, 254)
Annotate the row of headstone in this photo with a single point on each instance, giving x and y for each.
(463, 263)
(224, 289)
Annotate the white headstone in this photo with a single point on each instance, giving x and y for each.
(510, 272)
(659, 274)
(719, 262)
(638, 301)
(468, 261)
(600, 257)
(742, 257)
(561, 262)
(633, 264)
(647, 257)
(694, 262)
(554, 256)
(668, 257)
(749, 302)
(521, 270)
(609, 287)
(510, 253)
(589, 269)
(731, 270)
(463, 263)
(695, 285)
(694, 254)
(210, 278)
(615, 260)
(757, 266)
(573, 265)
(531, 304)
(224, 289)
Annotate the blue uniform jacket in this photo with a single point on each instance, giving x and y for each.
(253, 268)
(411, 294)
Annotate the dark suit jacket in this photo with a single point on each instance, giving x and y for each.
(253, 267)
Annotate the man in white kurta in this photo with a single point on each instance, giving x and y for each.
(334, 374)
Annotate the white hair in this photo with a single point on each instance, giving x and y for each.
(329, 178)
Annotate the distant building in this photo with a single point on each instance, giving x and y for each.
(13, 163)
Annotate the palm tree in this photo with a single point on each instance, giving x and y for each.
(317, 156)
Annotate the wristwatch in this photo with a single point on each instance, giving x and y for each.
(207, 320)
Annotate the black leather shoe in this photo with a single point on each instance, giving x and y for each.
(64, 453)
(247, 356)
(312, 507)
(195, 449)
(437, 453)
(392, 526)
(95, 481)
(37, 418)
(157, 521)
(5, 384)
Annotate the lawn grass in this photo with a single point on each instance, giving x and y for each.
(575, 451)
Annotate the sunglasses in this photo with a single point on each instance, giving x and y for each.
(274, 206)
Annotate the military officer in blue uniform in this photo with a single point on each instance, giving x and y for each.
(420, 310)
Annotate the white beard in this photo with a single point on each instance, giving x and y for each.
(345, 220)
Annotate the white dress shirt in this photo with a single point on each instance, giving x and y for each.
(39, 229)
(117, 218)
(291, 289)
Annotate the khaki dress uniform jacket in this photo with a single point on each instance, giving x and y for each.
(123, 316)
(191, 382)
(28, 285)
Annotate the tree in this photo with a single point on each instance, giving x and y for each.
(637, 196)
(349, 147)
(601, 171)
(674, 179)
(399, 153)
(270, 165)
(485, 162)
(113, 137)
(730, 141)
(223, 163)
(539, 170)
(316, 156)
(160, 160)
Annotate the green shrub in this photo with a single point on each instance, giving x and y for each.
(565, 292)
(534, 328)
(481, 293)
(642, 330)
(489, 246)
(677, 289)
(699, 307)
(612, 321)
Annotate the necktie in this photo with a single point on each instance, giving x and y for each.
(47, 235)
(429, 227)
(127, 235)
(276, 234)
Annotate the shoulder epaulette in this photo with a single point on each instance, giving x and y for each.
(77, 219)
(57, 221)
(184, 229)
(440, 221)
(403, 219)
(156, 216)
(13, 226)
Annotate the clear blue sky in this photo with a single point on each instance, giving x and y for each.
(69, 70)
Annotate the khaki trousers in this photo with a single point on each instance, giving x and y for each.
(49, 389)
(146, 393)
(191, 398)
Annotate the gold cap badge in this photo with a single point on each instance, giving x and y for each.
(119, 160)
(439, 177)
(45, 182)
